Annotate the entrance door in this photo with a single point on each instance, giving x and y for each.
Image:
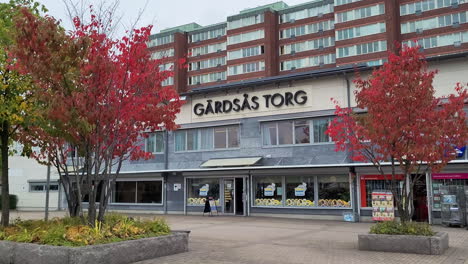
(239, 196)
(420, 200)
(229, 193)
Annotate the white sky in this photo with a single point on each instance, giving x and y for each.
(169, 13)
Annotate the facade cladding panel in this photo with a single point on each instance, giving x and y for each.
(278, 109)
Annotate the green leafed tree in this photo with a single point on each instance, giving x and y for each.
(16, 106)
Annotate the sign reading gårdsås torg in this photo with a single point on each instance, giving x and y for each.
(250, 103)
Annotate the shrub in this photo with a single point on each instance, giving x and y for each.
(13, 201)
(396, 228)
(71, 232)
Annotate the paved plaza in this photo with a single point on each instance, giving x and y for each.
(223, 239)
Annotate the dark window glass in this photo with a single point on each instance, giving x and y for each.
(149, 192)
(300, 191)
(125, 192)
(334, 191)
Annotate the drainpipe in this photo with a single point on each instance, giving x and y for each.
(352, 170)
(166, 167)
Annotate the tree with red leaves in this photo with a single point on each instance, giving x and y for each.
(99, 97)
(400, 123)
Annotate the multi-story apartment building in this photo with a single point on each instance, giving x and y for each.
(278, 39)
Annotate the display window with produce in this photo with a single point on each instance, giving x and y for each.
(199, 189)
(300, 191)
(333, 191)
(268, 190)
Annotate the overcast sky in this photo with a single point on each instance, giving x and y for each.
(169, 13)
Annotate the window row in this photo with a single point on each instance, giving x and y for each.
(376, 62)
(217, 47)
(158, 41)
(207, 138)
(246, 52)
(305, 13)
(307, 62)
(246, 68)
(166, 66)
(295, 132)
(361, 31)
(246, 21)
(211, 34)
(434, 22)
(307, 29)
(244, 37)
(344, 2)
(455, 39)
(307, 45)
(154, 142)
(207, 78)
(138, 192)
(156, 55)
(426, 5)
(360, 13)
(42, 186)
(301, 191)
(205, 64)
(361, 49)
(168, 81)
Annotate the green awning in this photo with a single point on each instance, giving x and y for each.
(234, 162)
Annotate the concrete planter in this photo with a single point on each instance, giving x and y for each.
(116, 253)
(429, 245)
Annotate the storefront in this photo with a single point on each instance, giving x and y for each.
(440, 184)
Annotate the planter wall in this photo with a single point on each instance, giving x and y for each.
(434, 245)
(115, 253)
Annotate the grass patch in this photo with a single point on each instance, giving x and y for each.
(70, 232)
(396, 228)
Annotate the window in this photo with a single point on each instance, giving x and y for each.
(211, 34)
(154, 143)
(158, 41)
(307, 62)
(166, 67)
(244, 37)
(142, 192)
(300, 191)
(246, 21)
(434, 22)
(168, 81)
(217, 47)
(440, 41)
(246, 68)
(362, 31)
(210, 63)
(207, 78)
(268, 190)
(344, 2)
(370, 183)
(305, 13)
(207, 138)
(162, 54)
(42, 186)
(361, 49)
(294, 132)
(426, 5)
(360, 13)
(333, 191)
(306, 29)
(246, 52)
(307, 45)
(198, 190)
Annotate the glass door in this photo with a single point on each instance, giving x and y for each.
(229, 193)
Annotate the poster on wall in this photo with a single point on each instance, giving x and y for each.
(269, 190)
(204, 190)
(382, 206)
(299, 191)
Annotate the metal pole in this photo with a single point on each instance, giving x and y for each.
(47, 194)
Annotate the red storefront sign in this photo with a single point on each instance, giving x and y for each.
(446, 176)
(374, 177)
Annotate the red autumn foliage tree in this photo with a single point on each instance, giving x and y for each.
(402, 123)
(99, 98)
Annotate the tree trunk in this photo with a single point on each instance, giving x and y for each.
(5, 185)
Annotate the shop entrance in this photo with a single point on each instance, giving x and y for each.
(234, 196)
(420, 200)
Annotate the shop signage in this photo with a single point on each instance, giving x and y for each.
(460, 151)
(269, 190)
(382, 206)
(249, 103)
(204, 190)
(445, 176)
(300, 190)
